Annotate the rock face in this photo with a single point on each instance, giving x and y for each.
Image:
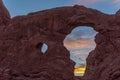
(23, 36)
(4, 15)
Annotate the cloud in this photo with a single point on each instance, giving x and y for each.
(116, 2)
(80, 42)
(79, 49)
(87, 2)
(83, 2)
(77, 44)
(81, 32)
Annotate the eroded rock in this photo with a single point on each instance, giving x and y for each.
(4, 15)
(22, 39)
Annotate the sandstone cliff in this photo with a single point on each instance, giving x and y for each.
(23, 36)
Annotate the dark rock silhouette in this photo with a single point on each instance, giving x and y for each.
(4, 15)
(22, 37)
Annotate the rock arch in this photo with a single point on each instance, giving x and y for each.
(20, 60)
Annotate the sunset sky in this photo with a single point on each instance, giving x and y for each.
(81, 40)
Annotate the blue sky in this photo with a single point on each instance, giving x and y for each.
(21, 7)
(81, 40)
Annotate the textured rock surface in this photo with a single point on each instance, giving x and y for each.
(4, 15)
(23, 36)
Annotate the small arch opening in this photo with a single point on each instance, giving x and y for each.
(80, 42)
(44, 48)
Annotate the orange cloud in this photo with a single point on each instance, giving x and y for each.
(82, 43)
(80, 48)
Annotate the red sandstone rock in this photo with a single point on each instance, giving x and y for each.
(22, 39)
(4, 15)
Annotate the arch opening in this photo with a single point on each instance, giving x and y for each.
(79, 43)
(44, 48)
